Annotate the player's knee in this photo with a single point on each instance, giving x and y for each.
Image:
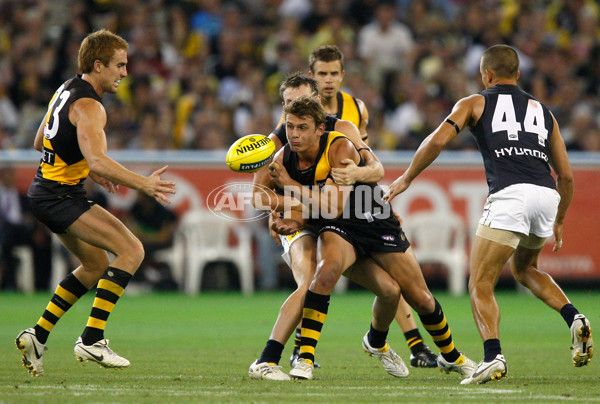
(303, 285)
(138, 252)
(390, 291)
(471, 285)
(97, 265)
(423, 302)
(327, 275)
(133, 253)
(480, 288)
(303, 274)
(523, 272)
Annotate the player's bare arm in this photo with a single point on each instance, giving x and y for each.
(262, 180)
(464, 113)
(559, 161)
(89, 116)
(294, 221)
(332, 197)
(276, 141)
(109, 186)
(38, 142)
(364, 120)
(263, 195)
(350, 173)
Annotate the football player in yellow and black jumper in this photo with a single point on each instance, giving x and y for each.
(73, 144)
(300, 247)
(326, 64)
(362, 227)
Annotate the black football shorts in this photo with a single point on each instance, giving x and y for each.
(60, 211)
(384, 235)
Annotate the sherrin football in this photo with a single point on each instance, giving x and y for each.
(249, 153)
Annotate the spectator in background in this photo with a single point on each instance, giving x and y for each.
(6, 141)
(361, 12)
(154, 225)
(385, 47)
(180, 43)
(408, 117)
(12, 231)
(317, 17)
(18, 227)
(9, 115)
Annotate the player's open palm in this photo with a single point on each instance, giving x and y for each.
(157, 187)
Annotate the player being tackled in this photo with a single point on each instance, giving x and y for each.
(353, 224)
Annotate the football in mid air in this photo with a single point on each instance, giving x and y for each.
(249, 153)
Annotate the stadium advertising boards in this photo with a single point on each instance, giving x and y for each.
(441, 188)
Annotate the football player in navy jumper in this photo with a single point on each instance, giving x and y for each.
(520, 142)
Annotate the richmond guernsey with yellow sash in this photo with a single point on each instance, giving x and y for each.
(62, 166)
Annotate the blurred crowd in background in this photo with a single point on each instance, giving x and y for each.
(205, 72)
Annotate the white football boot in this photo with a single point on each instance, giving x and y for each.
(392, 363)
(32, 350)
(266, 371)
(302, 370)
(486, 371)
(100, 353)
(465, 369)
(582, 345)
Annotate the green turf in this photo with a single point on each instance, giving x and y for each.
(198, 349)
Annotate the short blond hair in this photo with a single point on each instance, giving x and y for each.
(100, 45)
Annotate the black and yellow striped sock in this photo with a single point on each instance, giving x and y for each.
(110, 287)
(297, 340)
(65, 296)
(414, 341)
(436, 325)
(313, 317)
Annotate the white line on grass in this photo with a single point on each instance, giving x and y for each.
(399, 391)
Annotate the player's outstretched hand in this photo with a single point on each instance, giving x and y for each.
(346, 175)
(284, 226)
(398, 186)
(558, 231)
(157, 188)
(272, 216)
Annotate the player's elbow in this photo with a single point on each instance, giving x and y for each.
(436, 143)
(96, 164)
(379, 172)
(565, 179)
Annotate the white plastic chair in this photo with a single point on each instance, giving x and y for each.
(440, 237)
(204, 237)
(24, 270)
(174, 257)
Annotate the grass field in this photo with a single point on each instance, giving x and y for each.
(198, 349)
